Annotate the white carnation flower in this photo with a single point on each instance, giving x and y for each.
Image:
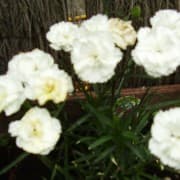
(11, 95)
(167, 18)
(62, 36)
(157, 51)
(123, 33)
(30, 64)
(95, 57)
(165, 141)
(98, 22)
(52, 84)
(37, 132)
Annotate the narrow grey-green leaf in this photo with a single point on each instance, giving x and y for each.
(105, 153)
(142, 123)
(14, 163)
(135, 150)
(99, 142)
(79, 122)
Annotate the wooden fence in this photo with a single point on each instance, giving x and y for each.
(24, 23)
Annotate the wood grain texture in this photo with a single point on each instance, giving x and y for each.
(24, 24)
(170, 90)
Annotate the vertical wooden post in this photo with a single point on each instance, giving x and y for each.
(76, 10)
(178, 5)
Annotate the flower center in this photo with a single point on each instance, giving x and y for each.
(49, 87)
(66, 36)
(36, 128)
(35, 67)
(95, 56)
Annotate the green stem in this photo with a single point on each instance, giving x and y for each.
(14, 163)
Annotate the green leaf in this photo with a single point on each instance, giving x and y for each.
(46, 161)
(108, 168)
(56, 169)
(53, 175)
(84, 158)
(85, 139)
(136, 150)
(58, 110)
(14, 163)
(142, 123)
(50, 165)
(99, 142)
(136, 11)
(162, 105)
(105, 153)
(149, 176)
(78, 122)
(103, 119)
(130, 135)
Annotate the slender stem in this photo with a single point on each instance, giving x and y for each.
(14, 163)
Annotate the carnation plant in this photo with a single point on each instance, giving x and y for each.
(114, 137)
